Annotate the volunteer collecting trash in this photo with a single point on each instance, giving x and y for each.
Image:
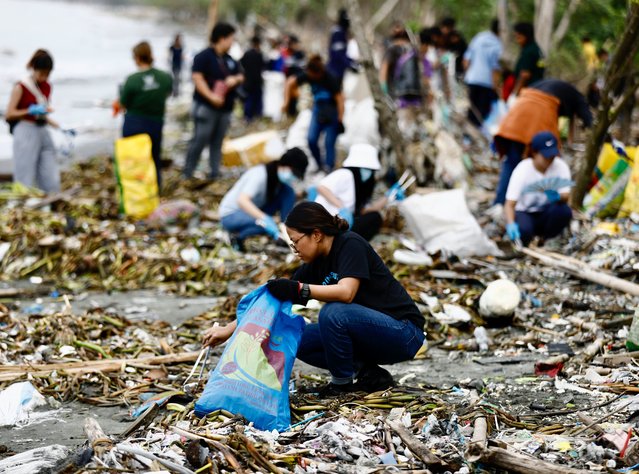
(248, 208)
(28, 116)
(365, 304)
(538, 192)
(347, 191)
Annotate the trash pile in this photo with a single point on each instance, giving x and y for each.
(83, 245)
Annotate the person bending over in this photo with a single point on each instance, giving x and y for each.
(365, 306)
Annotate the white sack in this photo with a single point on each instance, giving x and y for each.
(442, 221)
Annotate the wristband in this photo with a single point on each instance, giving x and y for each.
(305, 293)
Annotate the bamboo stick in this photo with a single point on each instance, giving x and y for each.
(582, 270)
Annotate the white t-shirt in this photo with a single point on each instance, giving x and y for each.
(253, 183)
(342, 184)
(527, 183)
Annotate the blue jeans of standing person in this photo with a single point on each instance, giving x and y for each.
(547, 223)
(243, 225)
(134, 125)
(349, 336)
(253, 105)
(210, 128)
(331, 130)
(513, 152)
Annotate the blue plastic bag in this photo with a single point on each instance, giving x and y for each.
(251, 379)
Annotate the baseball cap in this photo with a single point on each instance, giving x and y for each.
(546, 144)
(362, 155)
(297, 160)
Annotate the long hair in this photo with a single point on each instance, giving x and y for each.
(309, 216)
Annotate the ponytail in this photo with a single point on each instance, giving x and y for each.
(309, 216)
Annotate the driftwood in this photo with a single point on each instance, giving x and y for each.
(520, 464)
(138, 452)
(592, 349)
(98, 439)
(34, 460)
(582, 270)
(12, 372)
(417, 447)
(64, 195)
(478, 442)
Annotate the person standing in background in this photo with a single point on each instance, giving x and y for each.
(28, 116)
(481, 62)
(216, 76)
(530, 65)
(253, 64)
(294, 60)
(176, 51)
(338, 60)
(144, 95)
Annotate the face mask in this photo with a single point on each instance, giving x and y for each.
(365, 173)
(286, 177)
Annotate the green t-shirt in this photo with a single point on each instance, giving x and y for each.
(531, 59)
(144, 93)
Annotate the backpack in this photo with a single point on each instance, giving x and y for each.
(407, 75)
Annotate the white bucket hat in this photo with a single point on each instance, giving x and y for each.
(362, 155)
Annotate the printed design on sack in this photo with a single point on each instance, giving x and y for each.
(331, 279)
(253, 358)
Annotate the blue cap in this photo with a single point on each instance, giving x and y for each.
(546, 144)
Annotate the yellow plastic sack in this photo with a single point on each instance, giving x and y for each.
(135, 172)
(631, 196)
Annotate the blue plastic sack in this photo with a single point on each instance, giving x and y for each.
(251, 379)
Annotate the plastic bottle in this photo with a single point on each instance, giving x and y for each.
(481, 336)
(632, 341)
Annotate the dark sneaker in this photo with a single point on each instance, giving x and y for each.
(334, 390)
(373, 378)
(238, 244)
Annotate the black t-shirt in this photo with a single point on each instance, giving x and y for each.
(215, 68)
(572, 101)
(323, 89)
(253, 64)
(352, 256)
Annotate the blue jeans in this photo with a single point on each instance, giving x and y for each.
(210, 127)
(330, 130)
(349, 336)
(134, 125)
(253, 105)
(244, 225)
(547, 223)
(513, 152)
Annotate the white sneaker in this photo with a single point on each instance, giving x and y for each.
(496, 212)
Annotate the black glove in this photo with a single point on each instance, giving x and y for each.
(340, 128)
(285, 290)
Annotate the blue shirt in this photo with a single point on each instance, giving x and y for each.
(483, 53)
(338, 60)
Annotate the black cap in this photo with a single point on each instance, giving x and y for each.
(297, 160)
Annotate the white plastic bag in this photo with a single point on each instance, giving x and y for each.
(442, 221)
(17, 401)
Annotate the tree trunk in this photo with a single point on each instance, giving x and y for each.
(544, 23)
(212, 17)
(620, 67)
(381, 14)
(562, 28)
(386, 113)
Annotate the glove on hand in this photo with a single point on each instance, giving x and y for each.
(347, 215)
(285, 290)
(37, 109)
(396, 193)
(311, 193)
(512, 230)
(270, 227)
(340, 128)
(552, 195)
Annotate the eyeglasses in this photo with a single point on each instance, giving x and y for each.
(293, 243)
